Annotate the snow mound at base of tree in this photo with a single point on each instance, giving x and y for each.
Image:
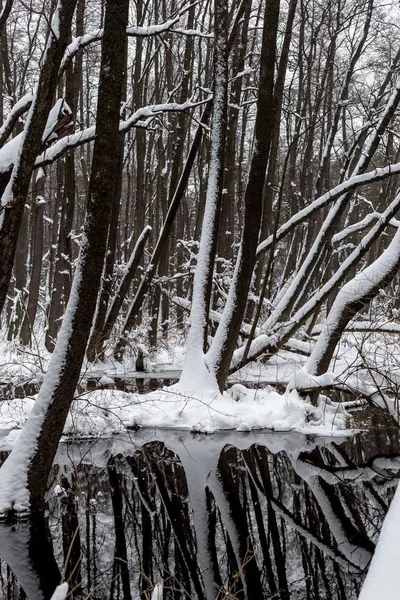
(102, 413)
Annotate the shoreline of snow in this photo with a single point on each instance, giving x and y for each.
(106, 412)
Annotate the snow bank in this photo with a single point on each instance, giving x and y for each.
(102, 413)
(382, 579)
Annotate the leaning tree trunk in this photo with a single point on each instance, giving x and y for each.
(15, 195)
(352, 298)
(23, 477)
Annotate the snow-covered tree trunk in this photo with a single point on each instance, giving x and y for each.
(23, 477)
(282, 311)
(16, 192)
(222, 348)
(353, 296)
(282, 332)
(197, 337)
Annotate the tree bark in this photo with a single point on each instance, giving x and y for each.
(4, 13)
(197, 337)
(37, 254)
(95, 342)
(38, 444)
(17, 189)
(222, 348)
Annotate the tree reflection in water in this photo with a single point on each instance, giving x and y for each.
(251, 516)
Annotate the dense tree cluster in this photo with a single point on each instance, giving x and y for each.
(238, 154)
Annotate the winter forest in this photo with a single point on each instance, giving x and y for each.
(200, 253)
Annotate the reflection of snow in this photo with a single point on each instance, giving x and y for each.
(15, 552)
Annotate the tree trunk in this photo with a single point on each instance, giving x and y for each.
(222, 348)
(23, 477)
(96, 340)
(197, 337)
(17, 190)
(37, 254)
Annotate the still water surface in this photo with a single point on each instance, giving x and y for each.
(249, 516)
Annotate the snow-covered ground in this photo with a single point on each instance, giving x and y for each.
(107, 411)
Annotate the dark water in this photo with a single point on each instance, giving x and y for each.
(246, 516)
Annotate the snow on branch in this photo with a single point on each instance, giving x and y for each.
(82, 41)
(58, 120)
(353, 296)
(366, 327)
(294, 345)
(260, 345)
(214, 315)
(279, 332)
(11, 119)
(140, 117)
(352, 259)
(333, 194)
(305, 382)
(194, 32)
(363, 224)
